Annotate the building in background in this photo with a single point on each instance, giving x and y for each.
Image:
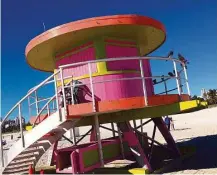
(204, 94)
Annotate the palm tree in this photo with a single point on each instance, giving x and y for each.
(212, 96)
(197, 98)
(194, 97)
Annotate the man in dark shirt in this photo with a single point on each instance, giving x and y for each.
(167, 122)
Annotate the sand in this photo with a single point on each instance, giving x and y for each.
(197, 128)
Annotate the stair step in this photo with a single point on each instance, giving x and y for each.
(49, 135)
(38, 144)
(21, 161)
(25, 156)
(36, 147)
(11, 167)
(18, 170)
(32, 150)
(22, 172)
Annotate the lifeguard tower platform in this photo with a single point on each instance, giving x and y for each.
(100, 74)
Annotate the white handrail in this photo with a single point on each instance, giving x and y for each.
(41, 100)
(89, 62)
(43, 108)
(122, 59)
(31, 91)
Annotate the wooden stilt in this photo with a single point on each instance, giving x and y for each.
(99, 140)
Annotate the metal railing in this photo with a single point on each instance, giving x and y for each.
(18, 106)
(142, 77)
(59, 73)
(46, 106)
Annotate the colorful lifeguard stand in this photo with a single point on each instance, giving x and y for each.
(108, 56)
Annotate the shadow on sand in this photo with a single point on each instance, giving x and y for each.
(205, 156)
(181, 129)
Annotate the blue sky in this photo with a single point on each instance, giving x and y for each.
(191, 27)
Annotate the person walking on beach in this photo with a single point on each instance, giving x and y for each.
(167, 122)
(172, 124)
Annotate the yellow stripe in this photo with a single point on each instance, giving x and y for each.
(139, 171)
(28, 128)
(189, 104)
(100, 53)
(96, 74)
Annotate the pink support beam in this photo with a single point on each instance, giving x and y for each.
(130, 137)
(53, 158)
(167, 135)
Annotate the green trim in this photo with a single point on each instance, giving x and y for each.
(91, 157)
(146, 112)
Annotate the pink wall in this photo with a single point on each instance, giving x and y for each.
(113, 51)
(84, 55)
(118, 51)
(116, 89)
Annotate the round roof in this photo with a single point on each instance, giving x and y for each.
(41, 50)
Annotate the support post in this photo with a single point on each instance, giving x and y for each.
(74, 136)
(91, 88)
(152, 142)
(165, 85)
(53, 105)
(36, 103)
(186, 79)
(48, 110)
(29, 106)
(99, 140)
(72, 93)
(177, 78)
(63, 90)
(21, 126)
(96, 120)
(57, 98)
(180, 82)
(143, 82)
(1, 145)
(121, 142)
(134, 123)
(113, 129)
(142, 140)
(53, 158)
